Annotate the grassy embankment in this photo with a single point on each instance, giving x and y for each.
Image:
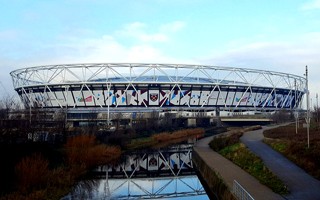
(230, 147)
(294, 146)
(41, 176)
(163, 139)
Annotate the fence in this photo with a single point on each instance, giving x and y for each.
(240, 193)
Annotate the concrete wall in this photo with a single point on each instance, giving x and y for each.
(214, 185)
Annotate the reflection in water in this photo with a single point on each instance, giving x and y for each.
(150, 174)
(182, 187)
(172, 161)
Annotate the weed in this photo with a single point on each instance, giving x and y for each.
(241, 156)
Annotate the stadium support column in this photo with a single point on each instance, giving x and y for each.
(219, 124)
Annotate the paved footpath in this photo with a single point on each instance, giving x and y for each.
(230, 172)
(301, 185)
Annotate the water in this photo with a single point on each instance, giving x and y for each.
(185, 187)
(152, 174)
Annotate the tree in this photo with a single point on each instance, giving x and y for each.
(282, 116)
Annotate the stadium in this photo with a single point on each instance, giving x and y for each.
(135, 88)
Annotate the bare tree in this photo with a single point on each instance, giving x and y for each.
(153, 121)
(282, 116)
(117, 119)
(10, 118)
(316, 115)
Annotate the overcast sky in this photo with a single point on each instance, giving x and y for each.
(273, 35)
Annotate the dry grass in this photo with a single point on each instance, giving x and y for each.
(32, 173)
(294, 146)
(166, 136)
(84, 151)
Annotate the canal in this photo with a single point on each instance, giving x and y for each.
(146, 174)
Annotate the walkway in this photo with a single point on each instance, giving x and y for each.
(301, 184)
(229, 172)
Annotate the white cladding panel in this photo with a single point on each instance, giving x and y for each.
(213, 98)
(185, 99)
(69, 98)
(110, 99)
(175, 97)
(164, 97)
(237, 98)
(245, 99)
(78, 98)
(121, 98)
(222, 98)
(195, 97)
(98, 97)
(132, 97)
(204, 99)
(230, 98)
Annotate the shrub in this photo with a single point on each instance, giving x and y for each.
(166, 136)
(220, 142)
(32, 172)
(83, 150)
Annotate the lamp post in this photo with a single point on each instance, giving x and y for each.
(295, 105)
(308, 108)
(317, 110)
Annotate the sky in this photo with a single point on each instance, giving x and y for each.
(272, 35)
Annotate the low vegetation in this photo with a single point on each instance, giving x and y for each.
(240, 155)
(230, 147)
(51, 174)
(35, 179)
(294, 146)
(164, 138)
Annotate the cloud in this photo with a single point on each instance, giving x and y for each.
(76, 47)
(140, 31)
(173, 26)
(8, 35)
(314, 4)
(282, 56)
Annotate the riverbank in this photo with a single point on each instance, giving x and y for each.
(64, 165)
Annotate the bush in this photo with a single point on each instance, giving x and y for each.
(83, 150)
(166, 136)
(221, 142)
(32, 173)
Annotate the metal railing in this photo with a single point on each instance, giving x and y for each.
(241, 193)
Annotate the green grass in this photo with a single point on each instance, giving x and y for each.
(141, 143)
(241, 156)
(280, 146)
(298, 153)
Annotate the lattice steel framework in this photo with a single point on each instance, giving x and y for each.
(137, 86)
(172, 161)
(142, 188)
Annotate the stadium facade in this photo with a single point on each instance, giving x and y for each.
(157, 86)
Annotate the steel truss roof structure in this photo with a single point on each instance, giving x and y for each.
(121, 85)
(152, 174)
(142, 188)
